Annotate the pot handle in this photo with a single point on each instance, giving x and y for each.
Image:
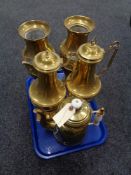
(114, 49)
(31, 70)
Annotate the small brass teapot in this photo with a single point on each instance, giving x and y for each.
(73, 131)
(35, 34)
(78, 28)
(83, 82)
(46, 91)
(73, 119)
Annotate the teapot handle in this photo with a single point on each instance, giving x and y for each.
(30, 68)
(114, 48)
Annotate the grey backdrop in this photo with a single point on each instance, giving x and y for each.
(17, 156)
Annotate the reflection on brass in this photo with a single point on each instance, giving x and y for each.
(78, 28)
(47, 92)
(83, 81)
(45, 117)
(35, 34)
(74, 129)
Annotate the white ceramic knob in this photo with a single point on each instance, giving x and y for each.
(76, 103)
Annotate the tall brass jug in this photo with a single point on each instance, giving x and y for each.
(83, 82)
(35, 34)
(47, 92)
(78, 28)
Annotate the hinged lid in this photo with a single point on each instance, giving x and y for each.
(47, 61)
(91, 52)
(81, 117)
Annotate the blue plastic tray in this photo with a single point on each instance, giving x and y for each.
(46, 146)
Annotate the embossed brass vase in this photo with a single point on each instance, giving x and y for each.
(35, 34)
(83, 82)
(78, 28)
(73, 131)
(46, 91)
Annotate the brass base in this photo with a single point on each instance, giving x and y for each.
(45, 96)
(67, 139)
(82, 90)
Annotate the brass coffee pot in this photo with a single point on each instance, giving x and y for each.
(46, 91)
(83, 82)
(35, 34)
(78, 28)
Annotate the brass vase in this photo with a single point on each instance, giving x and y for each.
(46, 91)
(35, 34)
(83, 82)
(78, 28)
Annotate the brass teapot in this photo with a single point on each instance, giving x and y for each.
(73, 119)
(78, 28)
(35, 34)
(46, 91)
(73, 131)
(83, 82)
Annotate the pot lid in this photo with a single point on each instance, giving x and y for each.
(91, 52)
(82, 115)
(47, 61)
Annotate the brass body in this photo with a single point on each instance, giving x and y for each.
(83, 81)
(47, 92)
(35, 34)
(78, 28)
(73, 131)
